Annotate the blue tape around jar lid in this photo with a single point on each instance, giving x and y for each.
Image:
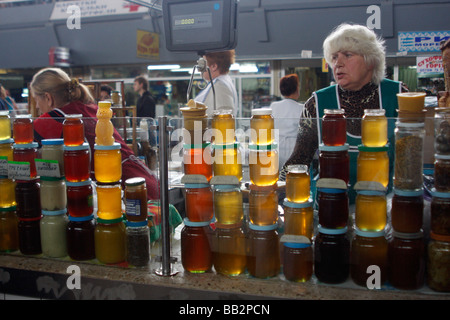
(408, 193)
(305, 204)
(80, 183)
(83, 146)
(196, 185)
(295, 245)
(85, 218)
(332, 231)
(136, 224)
(10, 140)
(331, 190)
(439, 194)
(369, 234)
(263, 228)
(25, 145)
(114, 146)
(54, 212)
(52, 142)
(370, 192)
(190, 223)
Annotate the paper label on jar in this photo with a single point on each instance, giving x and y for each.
(3, 166)
(133, 207)
(47, 168)
(19, 170)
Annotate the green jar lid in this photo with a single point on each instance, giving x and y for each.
(114, 146)
(233, 145)
(291, 204)
(344, 147)
(364, 148)
(109, 221)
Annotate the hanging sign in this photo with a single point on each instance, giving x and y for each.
(432, 64)
(421, 41)
(147, 45)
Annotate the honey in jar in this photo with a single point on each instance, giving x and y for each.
(197, 160)
(196, 252)
(263, 205)
(368, 248)
(73, 130)
(77, 162)
(7, 192)
(199, 202)
(104, 128)
(109, 200)
(227, 160)
(298, 183)
(5, 125)
(334, 127)
(333, 207)
(370, 210)
(229, 249)
(373, 164)
(228, 204)
(30, 236)
(136, 199)
(297, 258)
(9, 237)
(110, 241)
(374, 128)
(6, 149)
(107, 163)
(263, 164)
(81, 237)
(80, 198)
(407, 210)
(334, 162)
(23, 129)
(28, 199)
(440, 208)
(299, 218)
(263, 253)
(26, 152)
(223, 124)
(262, 127)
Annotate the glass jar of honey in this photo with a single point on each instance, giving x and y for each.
(229, 249)
(262, 126)
(227, 160)
(7, 192)
(228, 204)
(135, 197)
(28, 200)
(80, 198)
(373, 164)
(5, 125)
(196, 251)
(263, 164)
(197, 160)
(334, 127)
(333, 207)
(52, 149)
(334, 162)
(73, 130)
(406, 260)
(223, 125)
(23, 131)
(299, 218)
(109, 201)
(331, 255)
(81, 238)
(107, 163)
(442, 172)
(438, 263)
(77, 162)
(368, 248)
(6, 149)
(297, 260)
(298, 183)
(110, 241)
(53, 233)
(440, 208)
(263, 205)
(374, 128)
(199, 203)
(26, 152)
(370, 210)
(30, 236)
(407, 211)
(263, 253)
(9, 237)
(53, 193)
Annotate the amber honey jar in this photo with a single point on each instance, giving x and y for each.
(406, 260)
(334, 162)
(263, 164)
(23, 129)
(440, 212)
(333, 207)
(110, 241)
(5, 125)
(7, 192)
(368, 248)
(107, 163)
(262, 127)
(370, 210)
(26, 152)
(407, 210)
(298, 184)
(263, 253)
(374, 128)
(223, 125)
(197, 160)
(299, 218)
(80, 198)
(199, 202)
(373, 164)
(196, 251)
(77, 162)
(263, 205)
(227, 160)
(228, 204)
(109, 201)
(334, 127)
(136, 199)
(9, 237)
(298, 259)
(6, 149)
(73, 130)
(229, 249)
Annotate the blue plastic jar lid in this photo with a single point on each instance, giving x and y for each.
(331, 190)
(80, 183)
(84, 146)
(115, 146)
(137, 224)
(190, 223)
(295, 245)
(47, 142)
(408, 193)
(305, 204)
(54, 212)
(369, 234)
(11, 140)
(196, 185)
(85, 218)
(370, 192)
(226, 186)
(25, 145)
(263, 228)
(439, 194)
(332, 231)
(344, 147)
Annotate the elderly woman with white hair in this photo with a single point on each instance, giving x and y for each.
(357, 58)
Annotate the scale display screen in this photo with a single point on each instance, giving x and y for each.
(200, 25)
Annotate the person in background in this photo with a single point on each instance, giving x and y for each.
(286, 114)
(3, 104)
(56, 95)
(105, 92)
(146, 105)
(219, 64)
(356, 56)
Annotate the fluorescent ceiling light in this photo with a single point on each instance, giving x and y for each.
(163, 67)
